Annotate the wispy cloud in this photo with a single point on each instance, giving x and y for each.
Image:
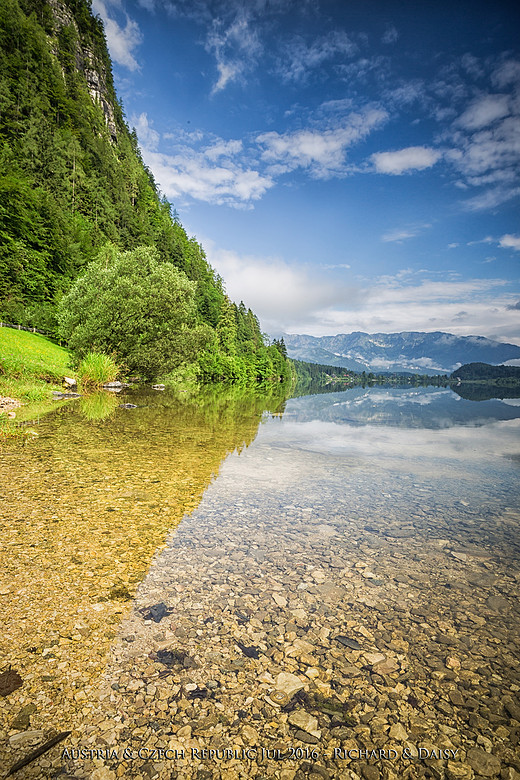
(485, 138)
(405, 93)
(391, 35)
(238, 172)
(236, 48)
(296, 299)
(390, 304)
(402, 234)
(506, 73)
(413, 158)
(148, 137)
(193, 174)
(490, 199)
(223, 149)
(322, 152)
(508, 241)
(213, 173)
(486, 240)
(302, 58)
(122, 40)
(484, 111)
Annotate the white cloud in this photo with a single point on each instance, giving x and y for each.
(490, 199)
(510, 242)
(320, 151)
(492, 149)
(301, 59)
(301, 300)
(148, 5)
(414, 158)
(475, 306)
(485, 143)
(332, 266)
(148, 137)
(401, 234)
(507, 73)
(227, 72)
(121, 40)
(391, 35)
(406, 93)
(191, 174)
(377, 66)
(484, 111)
(211, 173)
(277, 292)
(236, 49)
(471, 65)
(223, 149)
(486, 240)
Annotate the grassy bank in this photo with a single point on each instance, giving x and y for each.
(31, 367)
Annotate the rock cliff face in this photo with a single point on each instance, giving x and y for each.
(96, 83)
(86, 61)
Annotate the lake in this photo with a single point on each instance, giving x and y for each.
(230, 586)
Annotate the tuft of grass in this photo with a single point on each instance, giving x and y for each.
(97, 369)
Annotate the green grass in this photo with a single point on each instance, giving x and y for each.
(29, 355)
(96, 369)
(31, 367)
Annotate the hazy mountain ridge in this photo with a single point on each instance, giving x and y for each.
(413, 351)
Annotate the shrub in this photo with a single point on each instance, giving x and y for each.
(136, 307)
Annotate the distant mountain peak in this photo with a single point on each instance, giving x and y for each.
(437, 352)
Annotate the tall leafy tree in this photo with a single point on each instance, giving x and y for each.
(137, 308)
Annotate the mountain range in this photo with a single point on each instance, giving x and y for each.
(410, 351)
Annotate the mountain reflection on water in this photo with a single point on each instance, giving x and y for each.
(406, 407)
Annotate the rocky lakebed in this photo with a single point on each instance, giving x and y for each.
(306, 621)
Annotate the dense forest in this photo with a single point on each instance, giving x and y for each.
(72, 183)
(317, 373)
(486, 372)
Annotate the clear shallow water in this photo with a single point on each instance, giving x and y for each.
(388, 517)
(364, 550)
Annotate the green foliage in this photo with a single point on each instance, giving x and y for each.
(136, 308)
(307, 372)
(71, 173)
(97, 369)
(72, 180)
(239, 354)
(475, 371)
(10, 431)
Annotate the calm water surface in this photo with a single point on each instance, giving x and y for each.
(348, 582)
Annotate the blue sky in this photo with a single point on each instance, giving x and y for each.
(346, 165)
